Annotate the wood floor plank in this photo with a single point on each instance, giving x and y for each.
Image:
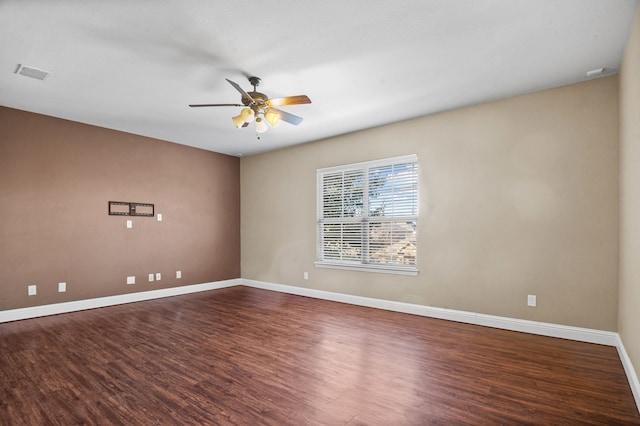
(242, 356)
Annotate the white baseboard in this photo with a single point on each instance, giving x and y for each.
(601, 337)
(546, 329)
(534, 327)
(588, 335)
(100, 302)
(630, 371)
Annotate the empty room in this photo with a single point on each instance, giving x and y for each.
(320, 213)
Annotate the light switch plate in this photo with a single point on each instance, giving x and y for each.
(178, 274)
(131, 280)
(129, 224)
(31, 290)
(158, 276)
(150, 277)
(159, 217)
(531, 300)
(62, 287)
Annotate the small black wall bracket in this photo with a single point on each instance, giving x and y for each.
(125, 208)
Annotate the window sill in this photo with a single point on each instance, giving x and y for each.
(383, 269)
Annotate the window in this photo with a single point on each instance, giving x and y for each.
(367, 215)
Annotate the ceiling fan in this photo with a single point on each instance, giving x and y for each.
(259, 108)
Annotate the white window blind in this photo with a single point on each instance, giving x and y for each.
(367, 215)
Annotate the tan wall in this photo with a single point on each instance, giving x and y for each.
(629, 321)
(517, 197)
(56, 178)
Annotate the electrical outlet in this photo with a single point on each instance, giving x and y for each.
(129, 224)
(159, 217)
(131, 280)
(62, 287)
(178, 274)
(531, 300)
(158, 276)
(31, 290)
(306, 275)
(150, 277)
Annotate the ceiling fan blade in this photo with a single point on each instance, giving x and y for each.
(214, 105)
(239, 89)
(289, 100)
(273, 114)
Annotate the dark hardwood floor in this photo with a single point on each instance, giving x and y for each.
(243, 356)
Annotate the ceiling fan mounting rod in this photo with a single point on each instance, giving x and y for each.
(255, 81)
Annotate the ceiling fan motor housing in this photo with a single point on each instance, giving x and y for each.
(258, 97)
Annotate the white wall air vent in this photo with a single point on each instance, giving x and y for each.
(601, 72)
(32, 72)
(596, 72)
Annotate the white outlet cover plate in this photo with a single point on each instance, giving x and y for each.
(131, 280)
(32, 290)
(129, 224)
(159, 217)
(62, 287)
(178, 274)
(531, 300)
(158, 276)
(150, 277)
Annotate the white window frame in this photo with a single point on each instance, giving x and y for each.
(363, 264)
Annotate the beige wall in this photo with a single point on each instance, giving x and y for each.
(629, 321)
(517, 197)
(56, 178)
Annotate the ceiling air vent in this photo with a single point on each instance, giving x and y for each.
(32, 72)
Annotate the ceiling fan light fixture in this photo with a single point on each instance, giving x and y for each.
(259, 108)
(272, 117)
(261, 126)
(245, 117)
(248, 115)
(238, 121)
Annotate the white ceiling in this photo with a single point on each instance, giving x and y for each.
(135, 65)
